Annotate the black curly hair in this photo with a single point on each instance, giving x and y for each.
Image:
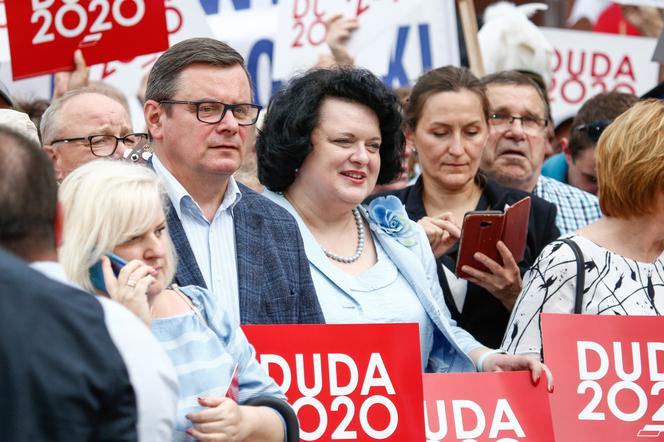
(285, 139)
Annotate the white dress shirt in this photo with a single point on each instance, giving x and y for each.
(212, 243)
(150, 370)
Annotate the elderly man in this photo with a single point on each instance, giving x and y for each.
(515, 149)
(85, 124)
(96, 364)
(244, 248)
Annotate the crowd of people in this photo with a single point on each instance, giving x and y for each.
(131, 259)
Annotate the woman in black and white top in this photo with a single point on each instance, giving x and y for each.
(623, 252)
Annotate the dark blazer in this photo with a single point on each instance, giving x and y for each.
(483, 315)
(274, 279)
(62, 378)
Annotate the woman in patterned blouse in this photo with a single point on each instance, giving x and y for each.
(623, 252)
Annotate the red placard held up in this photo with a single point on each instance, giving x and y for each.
(352, 382)
(43, 34)
(609, 373)
(486, 407)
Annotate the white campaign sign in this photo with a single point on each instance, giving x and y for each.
(587, 64)
(185, 19)
(397, 40)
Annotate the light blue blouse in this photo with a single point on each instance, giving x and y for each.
(379, 295)
(445, 346)
(205, 355)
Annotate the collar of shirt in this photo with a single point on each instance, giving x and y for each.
(53, 270)
(181, 199)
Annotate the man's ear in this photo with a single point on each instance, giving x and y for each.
(54, 155)
(58, 224)
(154, 114)
(564, 144)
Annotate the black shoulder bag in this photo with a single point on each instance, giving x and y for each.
(580, 274)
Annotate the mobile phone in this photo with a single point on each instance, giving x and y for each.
(97, 275)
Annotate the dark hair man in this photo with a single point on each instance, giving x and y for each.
(576, 164)
(241, 246)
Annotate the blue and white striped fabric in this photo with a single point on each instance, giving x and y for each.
(576, 208)
(212, 243)
(205, 356)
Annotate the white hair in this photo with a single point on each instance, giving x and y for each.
(106, 203)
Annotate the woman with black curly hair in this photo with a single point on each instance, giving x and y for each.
(329, 136)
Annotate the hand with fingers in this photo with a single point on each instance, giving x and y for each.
(339, 30)
(502, 281)
(441, 232)
(503, 362)
(70, 80)
(131, 286)
(225, 420)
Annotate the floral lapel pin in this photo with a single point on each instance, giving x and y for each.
(389, 215)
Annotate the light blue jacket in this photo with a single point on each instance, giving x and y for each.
(418, 266)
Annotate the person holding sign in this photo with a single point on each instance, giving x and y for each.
(616, 265)
(447, 118)
(111, 206)
(329, 136)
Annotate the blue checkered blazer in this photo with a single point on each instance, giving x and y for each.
(274, 280)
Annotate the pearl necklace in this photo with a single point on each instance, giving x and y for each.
(360, 242)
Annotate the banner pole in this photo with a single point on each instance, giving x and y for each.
(468, 17)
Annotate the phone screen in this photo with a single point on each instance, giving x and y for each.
(97, 275)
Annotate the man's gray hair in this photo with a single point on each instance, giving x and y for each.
(49, 126)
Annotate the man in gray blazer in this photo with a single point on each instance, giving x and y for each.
(244, 248)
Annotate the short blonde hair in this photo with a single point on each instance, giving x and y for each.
(630, 161)
(106, 203)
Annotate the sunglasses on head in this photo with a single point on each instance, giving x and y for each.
(594, 129)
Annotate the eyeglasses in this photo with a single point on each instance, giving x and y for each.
(531, 125)
(594, 129)
(105, 145)
(212, 112)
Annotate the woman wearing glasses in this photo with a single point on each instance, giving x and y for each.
(622, 254)
(447, 122)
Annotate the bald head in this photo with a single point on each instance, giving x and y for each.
(80, 114)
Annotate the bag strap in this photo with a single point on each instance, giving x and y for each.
(580, 274)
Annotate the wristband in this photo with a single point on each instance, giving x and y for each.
(480, 361)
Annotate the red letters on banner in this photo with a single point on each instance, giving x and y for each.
(43, 34)
(347, 382)
(609, 373)
(496, 407)
(580, 74)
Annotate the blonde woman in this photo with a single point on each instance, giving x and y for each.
(117, 207)
(623, 253)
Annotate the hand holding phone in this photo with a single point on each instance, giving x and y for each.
(127, 283)
(97, 273)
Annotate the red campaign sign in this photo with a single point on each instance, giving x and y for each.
(43, 34)
(496, 407)
(609, 371)
(346, 381)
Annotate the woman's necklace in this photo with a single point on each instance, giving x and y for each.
(360, 242)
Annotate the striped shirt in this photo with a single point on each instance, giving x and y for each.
(205, 355)
(212, 243)
(576, 208)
